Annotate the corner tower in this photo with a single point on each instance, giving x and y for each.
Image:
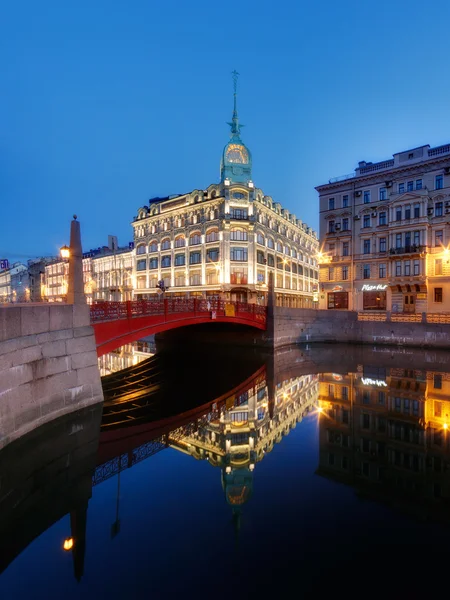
(236, 163)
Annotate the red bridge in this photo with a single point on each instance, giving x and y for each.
(119, 323)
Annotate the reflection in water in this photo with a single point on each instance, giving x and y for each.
(382, 431)
(126, 356)
(385, 431)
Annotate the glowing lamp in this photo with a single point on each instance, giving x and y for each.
(65, 252)
(68, 544)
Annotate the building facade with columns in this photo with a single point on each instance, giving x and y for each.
(223, 241)
(385, 234)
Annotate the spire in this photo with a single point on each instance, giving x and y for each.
(235, 127)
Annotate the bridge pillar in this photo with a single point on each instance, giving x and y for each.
(75, 290)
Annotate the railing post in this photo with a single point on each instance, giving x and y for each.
(129, 309)
(165, 309)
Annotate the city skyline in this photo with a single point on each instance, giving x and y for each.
(106, 110)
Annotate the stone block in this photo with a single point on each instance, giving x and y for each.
(54, 336)
(84, 359)
(81, 315)
(82, 344)
(77, 395)
(26, 355)
(52, 404)
(10, 322)
(61, 317)
(15, 376)
(55, 384)
(5, 362)
(27, 416)
(82, 331)
(51, 366)
(88, 375)
(35, 319)
(52, 349)
(17, 344)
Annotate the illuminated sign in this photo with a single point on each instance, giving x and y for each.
(4, 263)
(371, 288)
(337, 288)
(368, 381)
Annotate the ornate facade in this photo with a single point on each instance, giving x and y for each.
(225, 240)
(385, 233)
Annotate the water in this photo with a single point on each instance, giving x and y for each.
(314, 471)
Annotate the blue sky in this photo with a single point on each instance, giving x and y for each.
(106, 104)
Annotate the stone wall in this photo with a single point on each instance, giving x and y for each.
(293, 326)
(48, 365)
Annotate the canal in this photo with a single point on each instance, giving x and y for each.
(321, 470)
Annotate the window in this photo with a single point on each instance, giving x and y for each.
(366, 221)
(179, 280)
(383, 244)
(416, 267)
(437, 384)
(238, 235)
(260, 238)
(416, 211)
(366, 247)
(439, 182)
(195, 239)
(195, 279)
(398, 268)
(438, 266)
(382, 218)
(438, 209)
(366, 271)
(260, 257)
(212, 236)
(287, 250)
(280, 246)
(212, 255)
(438, 294)
(195, 258)
(401, 188)
(165, 244)
(398, 240)
(345, 273)
(239, 213)
(338, 300)
(382, 270)
(383, 193)
(331, 204)
(416, 237)
(165, 261)
(345, 201)
(345, 224)
(408, 211)
(407, 268)
(382, 398)
(439, 238)
(418, 184)
(180, 260)
(367, 197)
(153, 247)
(410, 186)
(331, 249)
(153, 263)
(270, 260)
(270, 243)
(398, 213)
(240, 254)
(330, 227)
(141, 249)
(180, 242)
(345, 246)
(141, 265)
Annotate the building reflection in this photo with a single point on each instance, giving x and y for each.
(385, 432)
(126, 356)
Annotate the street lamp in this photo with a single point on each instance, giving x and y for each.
(65, 251)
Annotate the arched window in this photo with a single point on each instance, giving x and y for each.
(141, 249)
(165, 261)
(238, 234)
(212, 235)
(270, 243)
(294, 253)
(195, 239)
(180, 241)
(153, 246)
(287, 250)
(260, 238)
(279, 247)
(300, 270)
(165, 244)
(213, 194)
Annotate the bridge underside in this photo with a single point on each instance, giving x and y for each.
(111, 335)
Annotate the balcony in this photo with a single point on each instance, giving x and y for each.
(412, 249)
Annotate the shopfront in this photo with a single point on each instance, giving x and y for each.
(337, 298)
(374, 297)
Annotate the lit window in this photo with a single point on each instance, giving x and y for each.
(438, 294)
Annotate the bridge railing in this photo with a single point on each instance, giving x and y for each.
(170, 307)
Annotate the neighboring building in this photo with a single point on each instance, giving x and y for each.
(14, 284)
(107, 275)
(385, 234)
(36, 276)
(225, 240)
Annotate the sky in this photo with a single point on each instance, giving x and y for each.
(105, 104)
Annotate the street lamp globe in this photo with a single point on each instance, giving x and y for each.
(65, 251)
